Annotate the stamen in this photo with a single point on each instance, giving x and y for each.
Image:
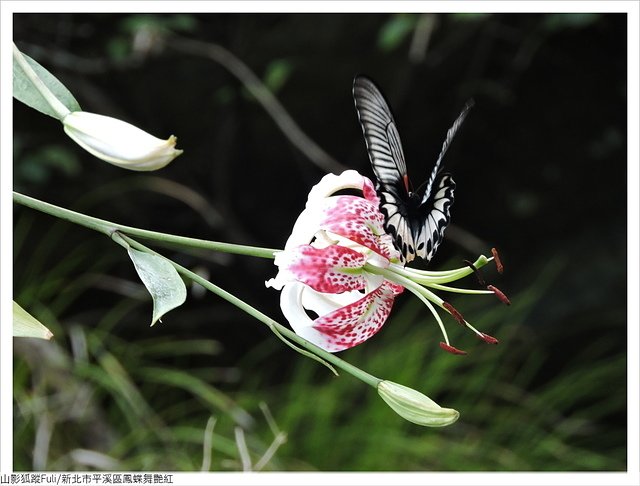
(451, 349)
(477, 272)
(496, 258)
(503, 298)
(487, 339)
(454, 312)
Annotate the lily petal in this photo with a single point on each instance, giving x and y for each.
(323, 269)
(356, 219)
(330, 184)
(347, 325)
(352, 217)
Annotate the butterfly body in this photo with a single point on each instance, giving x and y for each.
(416, 220)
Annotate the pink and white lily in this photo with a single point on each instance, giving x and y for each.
(322, 267)
(340, 265)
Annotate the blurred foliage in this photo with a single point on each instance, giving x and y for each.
(395, 30)
(277, 73)
(540, 167)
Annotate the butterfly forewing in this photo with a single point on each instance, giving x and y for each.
(445, 146)
(381, 137)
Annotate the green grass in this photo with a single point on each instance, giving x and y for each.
(102, 396)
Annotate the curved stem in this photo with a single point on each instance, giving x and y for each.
(263, 95)
(252, 311)
(108, 227)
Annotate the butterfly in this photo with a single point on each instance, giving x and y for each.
(416, 220)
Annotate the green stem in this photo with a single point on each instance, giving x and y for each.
(55, 104)
(425, 277)
(252, 311)
(108, 227)
(423, 294)
(119, 234)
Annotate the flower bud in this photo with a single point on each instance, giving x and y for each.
(414, 406)
(119, 142)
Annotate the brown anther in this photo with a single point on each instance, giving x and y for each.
(496, 258)
(477, 272)
(487, 339)
(454, 312)
(451, 349)
(499, 294)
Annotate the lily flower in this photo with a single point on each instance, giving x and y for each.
(322, 268)
(119, 142)
(341, 266)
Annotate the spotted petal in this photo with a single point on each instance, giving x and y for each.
(348, 324)
(356, 219)
(328, 269)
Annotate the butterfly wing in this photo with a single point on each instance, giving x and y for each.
(445, 146)
(387, 160)
(428, 229)
(434, 209)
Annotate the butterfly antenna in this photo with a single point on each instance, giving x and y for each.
(445, 146)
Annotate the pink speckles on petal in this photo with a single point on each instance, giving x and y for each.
(369, 191)
(350, 325)
(357, 219)
(323, 269)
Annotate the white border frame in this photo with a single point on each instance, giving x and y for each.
(631, 7)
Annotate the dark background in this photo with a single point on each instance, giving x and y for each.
(540, 167)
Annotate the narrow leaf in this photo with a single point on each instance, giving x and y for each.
(25, 325)
(25, 91)
(162, 281)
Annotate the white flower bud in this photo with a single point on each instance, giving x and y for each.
(119, 142)
(414, 406)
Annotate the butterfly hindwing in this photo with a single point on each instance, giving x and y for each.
(428, 230)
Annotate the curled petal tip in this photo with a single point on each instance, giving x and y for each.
(451, 349)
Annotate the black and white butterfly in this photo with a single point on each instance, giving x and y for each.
(416, 220)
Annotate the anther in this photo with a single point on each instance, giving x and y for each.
(451, 349)
(487, 339)
(496, 258)
(454, 312)
(499, 294)
(476, 272)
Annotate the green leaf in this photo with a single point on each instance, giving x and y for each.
(25, 325)
(162, 281)
(25, 91)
